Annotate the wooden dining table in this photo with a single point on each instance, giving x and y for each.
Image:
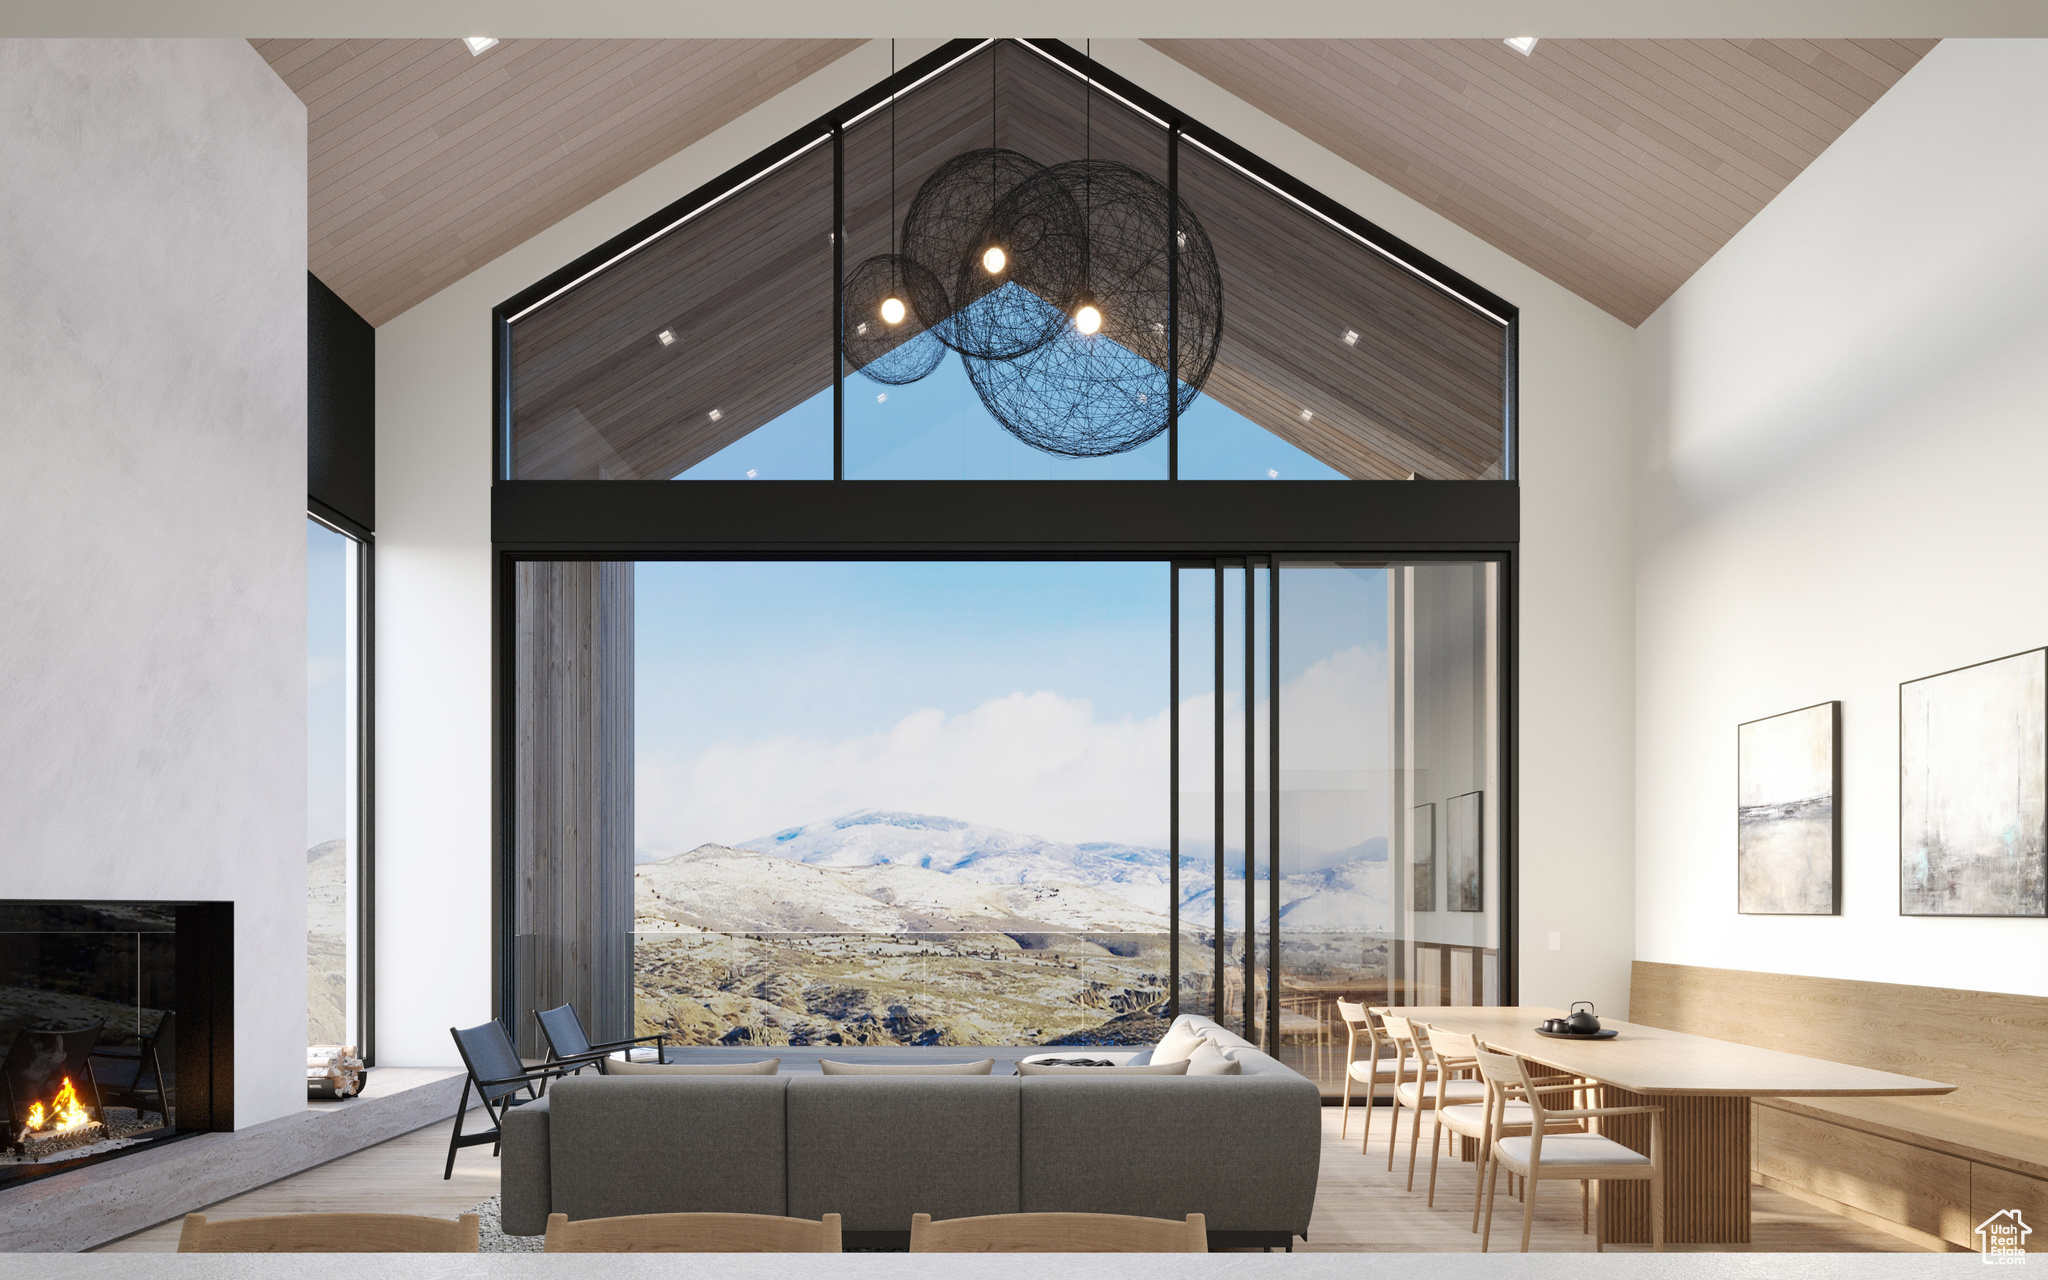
(1704, 1087)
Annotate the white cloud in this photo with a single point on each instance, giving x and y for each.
(1036, 763)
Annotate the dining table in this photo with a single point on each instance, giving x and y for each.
(1704, 1087)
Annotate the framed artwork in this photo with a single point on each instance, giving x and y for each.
(1973, 790)
(1464, 874)
(1422, 839)
(1788, 823)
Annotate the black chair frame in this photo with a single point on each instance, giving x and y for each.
(592, 1054)
(147, 1056)
(495, 1108)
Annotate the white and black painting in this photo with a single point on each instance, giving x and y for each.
(1787, 824)
(1464, 881)
(1422, 839)
(1973, 790)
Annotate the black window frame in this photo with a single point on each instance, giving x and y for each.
(1171, 520)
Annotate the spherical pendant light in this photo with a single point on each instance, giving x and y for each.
(1100, 386)
(892, 351)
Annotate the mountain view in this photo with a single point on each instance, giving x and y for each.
(904, 928)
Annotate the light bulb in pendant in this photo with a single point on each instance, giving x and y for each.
(892, 309)
(1088, 319)
(994, 260)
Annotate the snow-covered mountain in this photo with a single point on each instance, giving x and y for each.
(718, 888)
(987, 855)
(885, 871)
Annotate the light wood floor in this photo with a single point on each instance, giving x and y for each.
(1359, 1205)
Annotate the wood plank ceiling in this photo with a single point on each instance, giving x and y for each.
(1615, 167)
(425, 162)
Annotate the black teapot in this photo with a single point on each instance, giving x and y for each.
(1582, 1022)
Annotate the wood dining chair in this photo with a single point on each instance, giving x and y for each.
(693, 1233)
(1058, 1233)
(1424, 1088)
(1476, 1121)
(1542, 1155)
(330, 1233)
(1376, 1069)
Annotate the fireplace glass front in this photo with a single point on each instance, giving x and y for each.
(90, 1030)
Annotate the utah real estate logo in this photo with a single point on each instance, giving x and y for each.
(2005, 1236)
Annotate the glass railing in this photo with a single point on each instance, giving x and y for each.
(840, 988)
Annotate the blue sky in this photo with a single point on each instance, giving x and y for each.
(326, 602)
(1025, 695)
(937, 429)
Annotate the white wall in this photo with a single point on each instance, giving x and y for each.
(152, 502)
(433, 621)
(1844, 439)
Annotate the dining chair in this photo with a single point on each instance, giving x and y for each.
(330, 1233)
(1421, 1093)
(1058, 1233)
(1476, 1121)
(1578, 1157)
(1377, 1069)
(693, 1233)
(497, 1075)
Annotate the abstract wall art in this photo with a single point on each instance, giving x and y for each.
(1422, 839)
(1464, 882)
(1973, 790)
(1788, 827)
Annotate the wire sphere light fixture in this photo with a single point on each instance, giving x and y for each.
(1101, 385)
(889, 351)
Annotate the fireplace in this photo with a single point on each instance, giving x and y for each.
(116, 1029)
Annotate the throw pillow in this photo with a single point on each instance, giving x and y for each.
(985, 1067)
(615, 1067)
(1208, 1059)
(1150, 1069)
(1178, 1042)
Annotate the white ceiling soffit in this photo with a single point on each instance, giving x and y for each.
(424, 162)
(1327, 19)
(1615, 167)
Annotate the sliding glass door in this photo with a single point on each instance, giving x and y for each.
(1005, 802)
(1372, 690)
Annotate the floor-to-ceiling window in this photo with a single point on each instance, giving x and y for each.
(335, 667)
(1332, 818)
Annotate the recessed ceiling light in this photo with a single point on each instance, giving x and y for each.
(1306, 415)
(1524, 45)
(1272, 474)
(667, 336)
(477, 44)
(1351, 337)
(751, 473)
(881, 397)
(716, 414)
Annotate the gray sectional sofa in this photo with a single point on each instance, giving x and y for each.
(1242, 1150)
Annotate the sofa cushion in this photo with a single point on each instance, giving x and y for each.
(1209, 1060)
(877, 1149)
(765, 1067)
(649, 1144)
(1178, 1042)
(984, 1067)
(1242, 1152)
(1149, 1069)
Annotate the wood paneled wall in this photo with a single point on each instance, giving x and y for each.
(1929, 1169)
(573, 836)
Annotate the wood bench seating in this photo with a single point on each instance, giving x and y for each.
(1929, 1169)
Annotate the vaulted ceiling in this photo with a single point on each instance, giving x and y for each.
(426, 162)
(1615, 167)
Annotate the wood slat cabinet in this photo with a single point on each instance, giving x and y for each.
(1929, 1170)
